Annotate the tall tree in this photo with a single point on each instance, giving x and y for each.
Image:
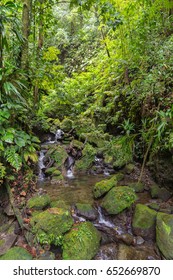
(26, 13)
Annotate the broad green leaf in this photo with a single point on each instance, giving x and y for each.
(20, 142)
(8, 137)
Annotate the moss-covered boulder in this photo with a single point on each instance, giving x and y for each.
(58, 154)
(39, 202)
(118, 199)
(86, 210)
(144, 221)
(104, 186)
(129, 168)
(154, 190)
(164, 234)
(162, 193)
(137, 186)
(81, 243)
(49, 225)
(87, 160)
(66, 125)
(16, 253)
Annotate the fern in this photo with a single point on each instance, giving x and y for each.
(13, 158)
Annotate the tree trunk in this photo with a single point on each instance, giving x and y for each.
(25, 31)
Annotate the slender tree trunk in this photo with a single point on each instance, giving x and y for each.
(25, 31)
(39, 48)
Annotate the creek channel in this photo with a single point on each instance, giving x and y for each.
(118, 241)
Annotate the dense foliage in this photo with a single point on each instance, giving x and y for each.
(105, 65)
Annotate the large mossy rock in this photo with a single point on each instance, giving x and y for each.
(51, 224)
(144, 221)
(164, 234)
(118, 199)
(58, 154)
(87, 160)
(39, 202)
(104, 186)
(16, 253)
(81, 243)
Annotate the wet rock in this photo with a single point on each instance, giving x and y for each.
(164, 234)
(118, 199)
(139, 240)
(38, 202)
(136, 253)
(107, 252)
(50, 224)
(126, 238)
(6, 242)
(86, 211)
(144, 221)
(155, 206)
(162, 193)
(104, 186)
(137, 186)
(81, 243)
(16, 253)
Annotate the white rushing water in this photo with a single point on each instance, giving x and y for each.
(70, 174)
(41, 165)
(103, 220)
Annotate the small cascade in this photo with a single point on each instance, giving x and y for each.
(59, 135)
(69, 164)
(41, 166)
(102, 219)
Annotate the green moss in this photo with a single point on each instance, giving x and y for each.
(58, 154)
(137, 186)
(66, 125)
(118, 199)
(59, 204)
(81, 243)
(53, 222)
(164, 234)
(144, 217)
(87, 160)
(51, 170)
(77, 144)
(155, 191)
(39, 202)
(16, 253)
(84, 207)
(104, 186)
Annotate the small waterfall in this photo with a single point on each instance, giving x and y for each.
(102, 220)
(41, 166)
(59, 135)
(69, 163)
